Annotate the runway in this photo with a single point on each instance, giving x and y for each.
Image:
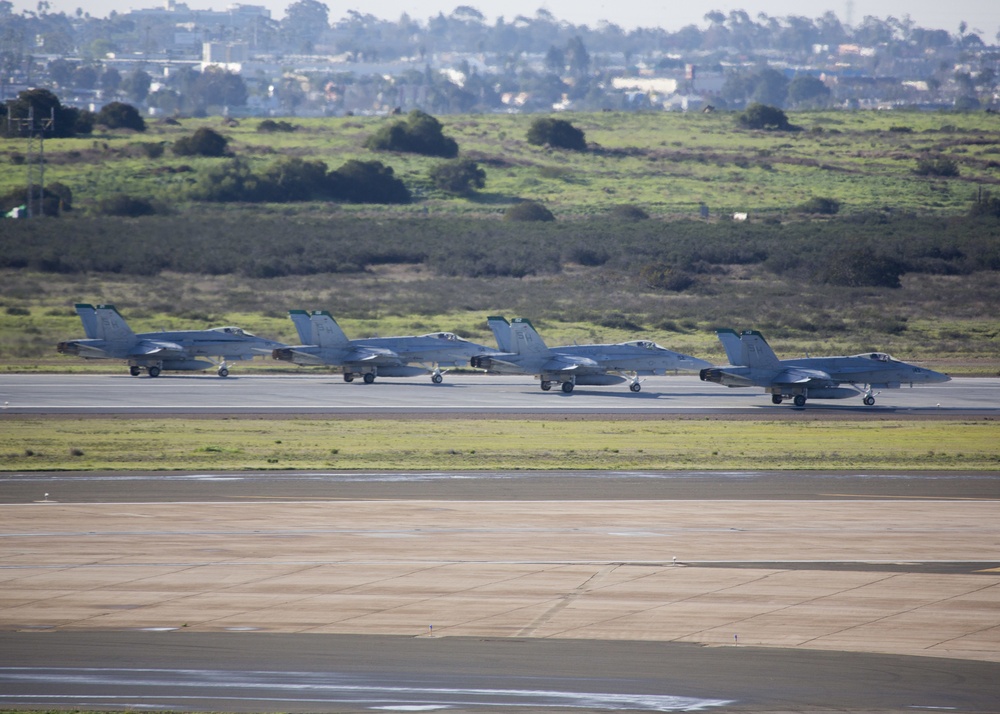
(460, 395)
(343, 592)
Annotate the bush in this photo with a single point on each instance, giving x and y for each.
(420, 133)
(118, 115)
(820, 205)
(528, 211)
(629, 213)
(986, 206)
(124, 205)
(854, 266)
(665, 277)
(269, 126)
(367, 182)
(557, 133)
(462, 176)
(762, 116)
(941, 166)
(204, 142)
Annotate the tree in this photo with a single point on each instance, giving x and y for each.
(204, 142)
(940, 166)
(420, 133)
(367, 182)
(43, 105)
(806, 89)
(305, 22)
(770, 87)
(462, 176)
(577, 57)
(136, 86)
(761, 116)
(557, 133)
(219, 87)
(118, 115)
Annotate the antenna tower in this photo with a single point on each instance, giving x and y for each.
(35, 129)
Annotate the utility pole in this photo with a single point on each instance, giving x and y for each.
(35, 129)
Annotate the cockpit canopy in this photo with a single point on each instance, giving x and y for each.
(877, 356)
(236, 331)
(451, 336)
(645, 344)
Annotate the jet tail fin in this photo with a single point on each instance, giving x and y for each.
(736, 351)
(326, 331)
(300, 318)
(501, 331)
(89, 319)
(110, 325)
(525, 339)
(758, 352)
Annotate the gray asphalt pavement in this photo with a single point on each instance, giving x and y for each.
(461, 394)
(252, 672)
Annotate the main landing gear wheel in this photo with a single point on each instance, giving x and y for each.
(154, 371)
(134, 371)
(775, 399)
(437, 379)
(800, 400)
(567, 387)
(635, 386)
(223, 372)
(869, 401)
(369, 377)
(348, 377)
(546, 386)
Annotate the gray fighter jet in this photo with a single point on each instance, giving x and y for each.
(754, 364)
(109, 337)
(602, 364)
(325, 343)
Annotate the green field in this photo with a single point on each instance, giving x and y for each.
(458, 444)
(667, 163)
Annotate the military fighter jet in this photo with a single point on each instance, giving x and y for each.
(754, 364)
(526, 353)
(109, 337)
(325, 343)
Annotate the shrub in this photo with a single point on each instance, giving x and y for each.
(557, 133)
(420, 133)
(150, 149)
(627, 212)
(821, 205)
(118, 115)
(660, 276)
(940, 166)
(367, 182)
(461, 176)
(269, 126)
(986, 206)
(762, 116)
(528, 211)
(854, 266)
(204, 142)
(124, 205)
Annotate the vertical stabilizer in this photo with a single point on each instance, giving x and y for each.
(300, 318)
(325, 330)
(89, 319)
(111, 325)
(501, 331)
(758, 352)
(525, 340)
(736, 351)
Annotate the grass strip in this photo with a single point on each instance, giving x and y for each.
(37, 444)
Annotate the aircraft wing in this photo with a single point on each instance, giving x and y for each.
(372, 355)
(569, 363)
(158, 348)
(800, 376)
